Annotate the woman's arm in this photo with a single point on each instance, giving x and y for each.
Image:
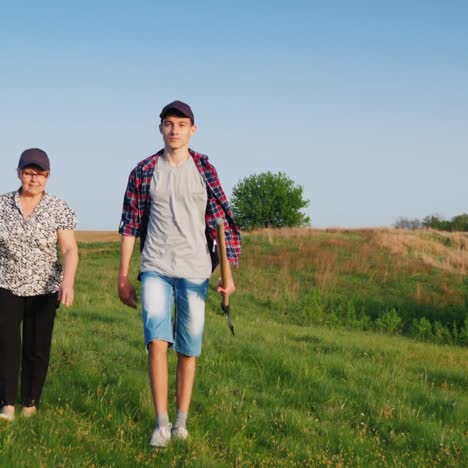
(69, 251)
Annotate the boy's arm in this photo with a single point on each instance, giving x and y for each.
(127, 293)
(228, 288)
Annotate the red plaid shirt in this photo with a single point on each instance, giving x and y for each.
(136, 205)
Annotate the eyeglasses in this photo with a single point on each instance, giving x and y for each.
(40, 175)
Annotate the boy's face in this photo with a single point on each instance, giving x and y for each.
(176, 131)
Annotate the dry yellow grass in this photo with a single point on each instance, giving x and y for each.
(314, 252)
(322, 256)
(445, 250)
(97, 236)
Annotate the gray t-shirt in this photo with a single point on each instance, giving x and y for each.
(176, 243)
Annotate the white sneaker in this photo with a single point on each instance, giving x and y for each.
(179, 433)
(7, 413)
(161, 437)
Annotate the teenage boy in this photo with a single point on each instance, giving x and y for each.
(172, 201)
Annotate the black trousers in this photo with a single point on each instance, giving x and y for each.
(36, 314)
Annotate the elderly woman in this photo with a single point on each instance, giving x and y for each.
(32, 282)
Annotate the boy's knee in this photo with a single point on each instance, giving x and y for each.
(158, 346)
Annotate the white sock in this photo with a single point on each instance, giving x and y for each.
(162, 420)
(181, 419)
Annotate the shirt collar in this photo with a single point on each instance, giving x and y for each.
(16, 201)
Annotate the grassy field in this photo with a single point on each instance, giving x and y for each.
(350, 351)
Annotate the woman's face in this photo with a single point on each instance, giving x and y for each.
(33, 180)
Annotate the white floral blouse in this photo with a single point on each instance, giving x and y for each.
(29, 261)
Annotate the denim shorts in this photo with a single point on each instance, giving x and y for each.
(184, 330)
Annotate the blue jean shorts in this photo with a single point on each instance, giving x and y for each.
(184, 329)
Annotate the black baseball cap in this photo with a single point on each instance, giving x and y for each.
(177, 108)
(34, 157)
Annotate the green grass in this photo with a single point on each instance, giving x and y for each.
(345, 278)
(277, 394)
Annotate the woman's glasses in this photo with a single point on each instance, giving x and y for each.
(39, 174)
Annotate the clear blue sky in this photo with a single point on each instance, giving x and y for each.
(363, 103)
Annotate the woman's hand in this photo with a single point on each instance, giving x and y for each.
(66, 295)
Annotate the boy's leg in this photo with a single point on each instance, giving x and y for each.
(185, 379)
(157, 303)
(157, 368)
(188, 334)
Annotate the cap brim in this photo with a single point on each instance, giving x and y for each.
(33, 163)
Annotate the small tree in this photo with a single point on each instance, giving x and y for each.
(268, 200)
(436, 221)
(407, 223)
(460, 223)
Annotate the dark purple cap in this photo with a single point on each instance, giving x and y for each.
(177, 108)
(34, 157)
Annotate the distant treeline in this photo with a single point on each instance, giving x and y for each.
(458, 223)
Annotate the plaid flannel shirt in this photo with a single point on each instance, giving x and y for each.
(136, 206)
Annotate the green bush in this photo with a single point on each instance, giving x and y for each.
(268, 200)
(421, 329)
(441, 333)
(464, 333)
(390, 323)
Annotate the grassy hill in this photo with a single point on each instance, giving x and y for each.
(319, 374)
(396, 282)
